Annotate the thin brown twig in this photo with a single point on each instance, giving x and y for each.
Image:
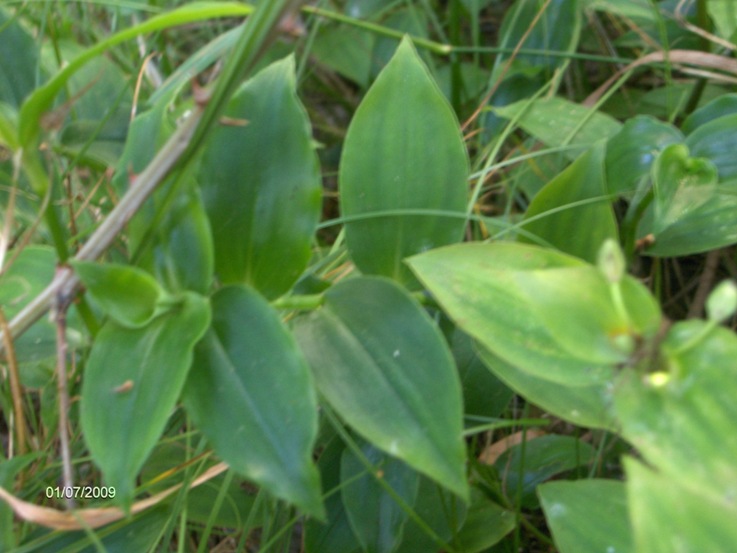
(506, 67)
(65, 281)
(16, 390)
(706, 282)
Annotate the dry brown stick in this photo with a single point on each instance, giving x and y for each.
(16, 390)
(690, 57)
(94, 517)
(706, 282)
(65, 281)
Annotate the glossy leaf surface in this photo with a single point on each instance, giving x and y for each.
(555, 121)
(385, 368)
(630, 153)
(572, 212)
(525, 466)
(682, 424)
(261, 185)
(129, 295)
(696, 521)
(692, 212)
(132, 382)
(403, 151)
(477, 286)
(580, 405)
(376, 518)
(714, 141)
(251, 394)
(681, 185)
(589, 515)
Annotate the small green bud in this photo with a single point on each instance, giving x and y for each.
(611, 261)
(722, 302)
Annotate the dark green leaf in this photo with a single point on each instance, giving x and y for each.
(723, 105)
(486, 524)
(630, 152)
(557, 30)
(261, 184)
(681, 185)
(251, 394)
(524, 466)
(334, 535)
(442, 513)
(484, 395)
(573, 212)
(132, 381)
(376, 518)
(403, 151)
(386, 369)
(590, 515)
(714, 141)
(346, 50)
(19, 52)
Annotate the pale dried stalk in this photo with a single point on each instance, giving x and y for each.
(689, 57)
(93, 517)
(65, 281)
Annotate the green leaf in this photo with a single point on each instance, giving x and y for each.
(573, 212)
(346, 50)
(486, 524)
(581, 405)
(20, 283)
(630, 152)
(43, 97)
(681, 423)
(681, 185)
(334, 535)
(556, 29)
(602, 320)
(261, 184)
(140, 533)
(409, 20)
(180, 252)
(129, 295)
(711, 226)
(251, 394)
(441, 513)
(19, 52)
(725, 104)
(384, 366)
(484, 395)
(523, 467)
(713, 141)
(590, 515)
(478, 287)
(403, 151)
(696, 521)
(555, 121)
(376, 518)
(132, 381)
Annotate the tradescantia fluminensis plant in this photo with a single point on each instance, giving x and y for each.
(221, 342)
